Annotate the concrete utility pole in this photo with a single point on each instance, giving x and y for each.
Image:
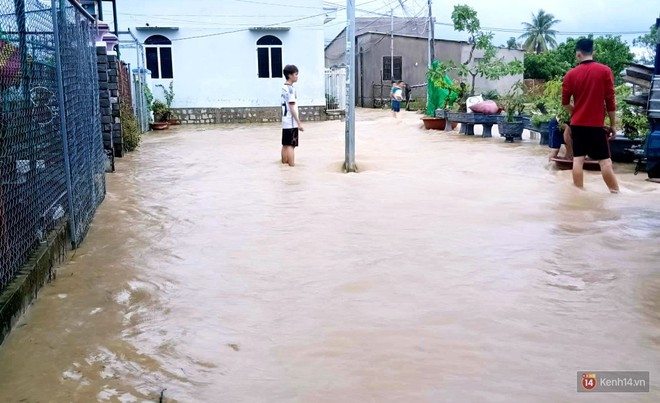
(392, 45)
(431, 46)
(349, 162)
(431, 37)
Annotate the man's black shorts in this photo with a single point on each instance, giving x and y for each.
(591, 141)
(290, 137)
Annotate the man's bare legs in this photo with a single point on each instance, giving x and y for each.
(284, 155)
(568, 142)
(607, 171)
(578, 172)
(553, 154)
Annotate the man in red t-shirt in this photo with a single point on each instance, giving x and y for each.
(591, 85)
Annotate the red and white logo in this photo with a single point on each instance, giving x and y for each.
(589, 381)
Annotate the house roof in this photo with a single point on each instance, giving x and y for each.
(402, 26)
(412, 36)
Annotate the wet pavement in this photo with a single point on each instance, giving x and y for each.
(449, 269)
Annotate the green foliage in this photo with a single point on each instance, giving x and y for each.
(465, 19)
(608, 50)
(647, 42)
(622, 92)
(130, 133)
(437, 75)
(491, 95)
(545, 66)
(635, 124)
(564, 115)
(539, 35)
(489, 66)
(161, 111)
(149, 97)
(417, 105)
(330, 101)
(513, 102)
(613, 52)
(539, 119)
(511, 43)
(168, 93)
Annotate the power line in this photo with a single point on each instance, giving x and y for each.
(562, 33)
(245, 29)
(275, 4)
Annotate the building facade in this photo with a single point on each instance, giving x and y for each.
(225, 58)
(375, 68)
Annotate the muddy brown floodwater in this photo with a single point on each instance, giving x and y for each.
(449, 269)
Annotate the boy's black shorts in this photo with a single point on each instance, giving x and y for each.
(290, 137)
(591, 141)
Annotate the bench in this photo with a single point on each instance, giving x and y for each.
(468, 120)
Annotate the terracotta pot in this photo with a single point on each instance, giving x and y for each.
(172, 122)
(431, 123)
(160, 125)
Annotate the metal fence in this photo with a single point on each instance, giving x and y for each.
(335, 89)
(129, 43)
(51, 147)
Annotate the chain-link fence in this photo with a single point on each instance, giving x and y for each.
(129, 43)
(51, 149)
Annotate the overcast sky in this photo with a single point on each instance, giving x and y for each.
(575, 15)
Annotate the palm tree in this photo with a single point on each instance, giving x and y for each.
(539, 35)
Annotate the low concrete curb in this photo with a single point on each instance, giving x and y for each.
(35, 273)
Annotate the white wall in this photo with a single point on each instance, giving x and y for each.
(504, 84)
(221, 70)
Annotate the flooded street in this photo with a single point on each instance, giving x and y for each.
(449, 269)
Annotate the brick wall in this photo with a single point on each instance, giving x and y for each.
(104, 95)
(113, 86)
(109, 96)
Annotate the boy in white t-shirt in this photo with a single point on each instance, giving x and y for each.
(290, 120)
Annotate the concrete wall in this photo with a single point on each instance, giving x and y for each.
(33, 275)
(247, 115)
(414, 53)
(504, 84)
(219, 69)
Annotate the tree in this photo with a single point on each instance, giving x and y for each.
(489, 65)
(647, 42)
(545, 66)
(613, 52)
(539, 35)
(511, 43)
(609, 50)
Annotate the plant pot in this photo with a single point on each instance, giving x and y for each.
(511, 130)
(441, 113)
(159, 125)
(431, 123)
(172, 122)
(619, 146)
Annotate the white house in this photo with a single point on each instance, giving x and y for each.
(226, 56)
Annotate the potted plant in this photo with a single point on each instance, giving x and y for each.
(511, 125)
(169, 98)
(331, 102)
(635, 126)
(161, 115)
(442, 94)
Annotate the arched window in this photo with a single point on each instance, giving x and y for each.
(269, 57)
(158, 51)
